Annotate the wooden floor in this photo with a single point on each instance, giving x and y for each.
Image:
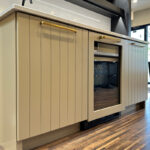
(131, 132)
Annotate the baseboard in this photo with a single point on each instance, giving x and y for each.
(133, 108)
(47, 138)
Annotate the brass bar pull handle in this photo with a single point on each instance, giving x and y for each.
(58, 26)
(134, 44)
(112, 39)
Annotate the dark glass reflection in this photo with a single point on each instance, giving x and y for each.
(106, 84)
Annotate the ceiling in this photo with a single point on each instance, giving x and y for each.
(140, 5)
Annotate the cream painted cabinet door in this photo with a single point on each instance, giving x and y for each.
(52, 70)
(137, 72)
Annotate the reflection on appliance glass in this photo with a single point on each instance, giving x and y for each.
(106, 81)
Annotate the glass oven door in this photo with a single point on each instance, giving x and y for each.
(106, 82)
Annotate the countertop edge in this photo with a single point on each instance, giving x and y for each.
(15, 8)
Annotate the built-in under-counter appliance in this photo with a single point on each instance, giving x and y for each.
(104, 76)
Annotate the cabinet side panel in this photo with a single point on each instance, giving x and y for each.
(123, 74)
(8, 83)
(91, 77)
(22, 76)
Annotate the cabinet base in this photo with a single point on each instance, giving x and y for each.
(133, 108)
(87, 125)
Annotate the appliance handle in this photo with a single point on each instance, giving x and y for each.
(135, 44)
(110, 38)
(57, 26)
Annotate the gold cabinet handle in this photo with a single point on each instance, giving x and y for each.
(137, 45)
(57, 26)
(112, 39)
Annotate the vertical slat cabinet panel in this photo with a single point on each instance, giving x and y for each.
(145, 84)
(63, 78)
(143, 74)
(85, 73)
(45, 78)
(79, 85)
(127, 74)
(23, 77)
(145, 61)
(142, 59)
(138, 75)
(133, 73)
(130, 75)
(135, 76)
(35, 76)
(146, 72)
(71, 77)
(52, 76)
(55, 87)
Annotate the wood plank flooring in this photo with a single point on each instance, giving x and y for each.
(130, 132)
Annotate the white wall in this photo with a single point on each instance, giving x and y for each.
(64, 10)
(141, 17)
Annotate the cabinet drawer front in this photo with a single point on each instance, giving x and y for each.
(52, 77)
